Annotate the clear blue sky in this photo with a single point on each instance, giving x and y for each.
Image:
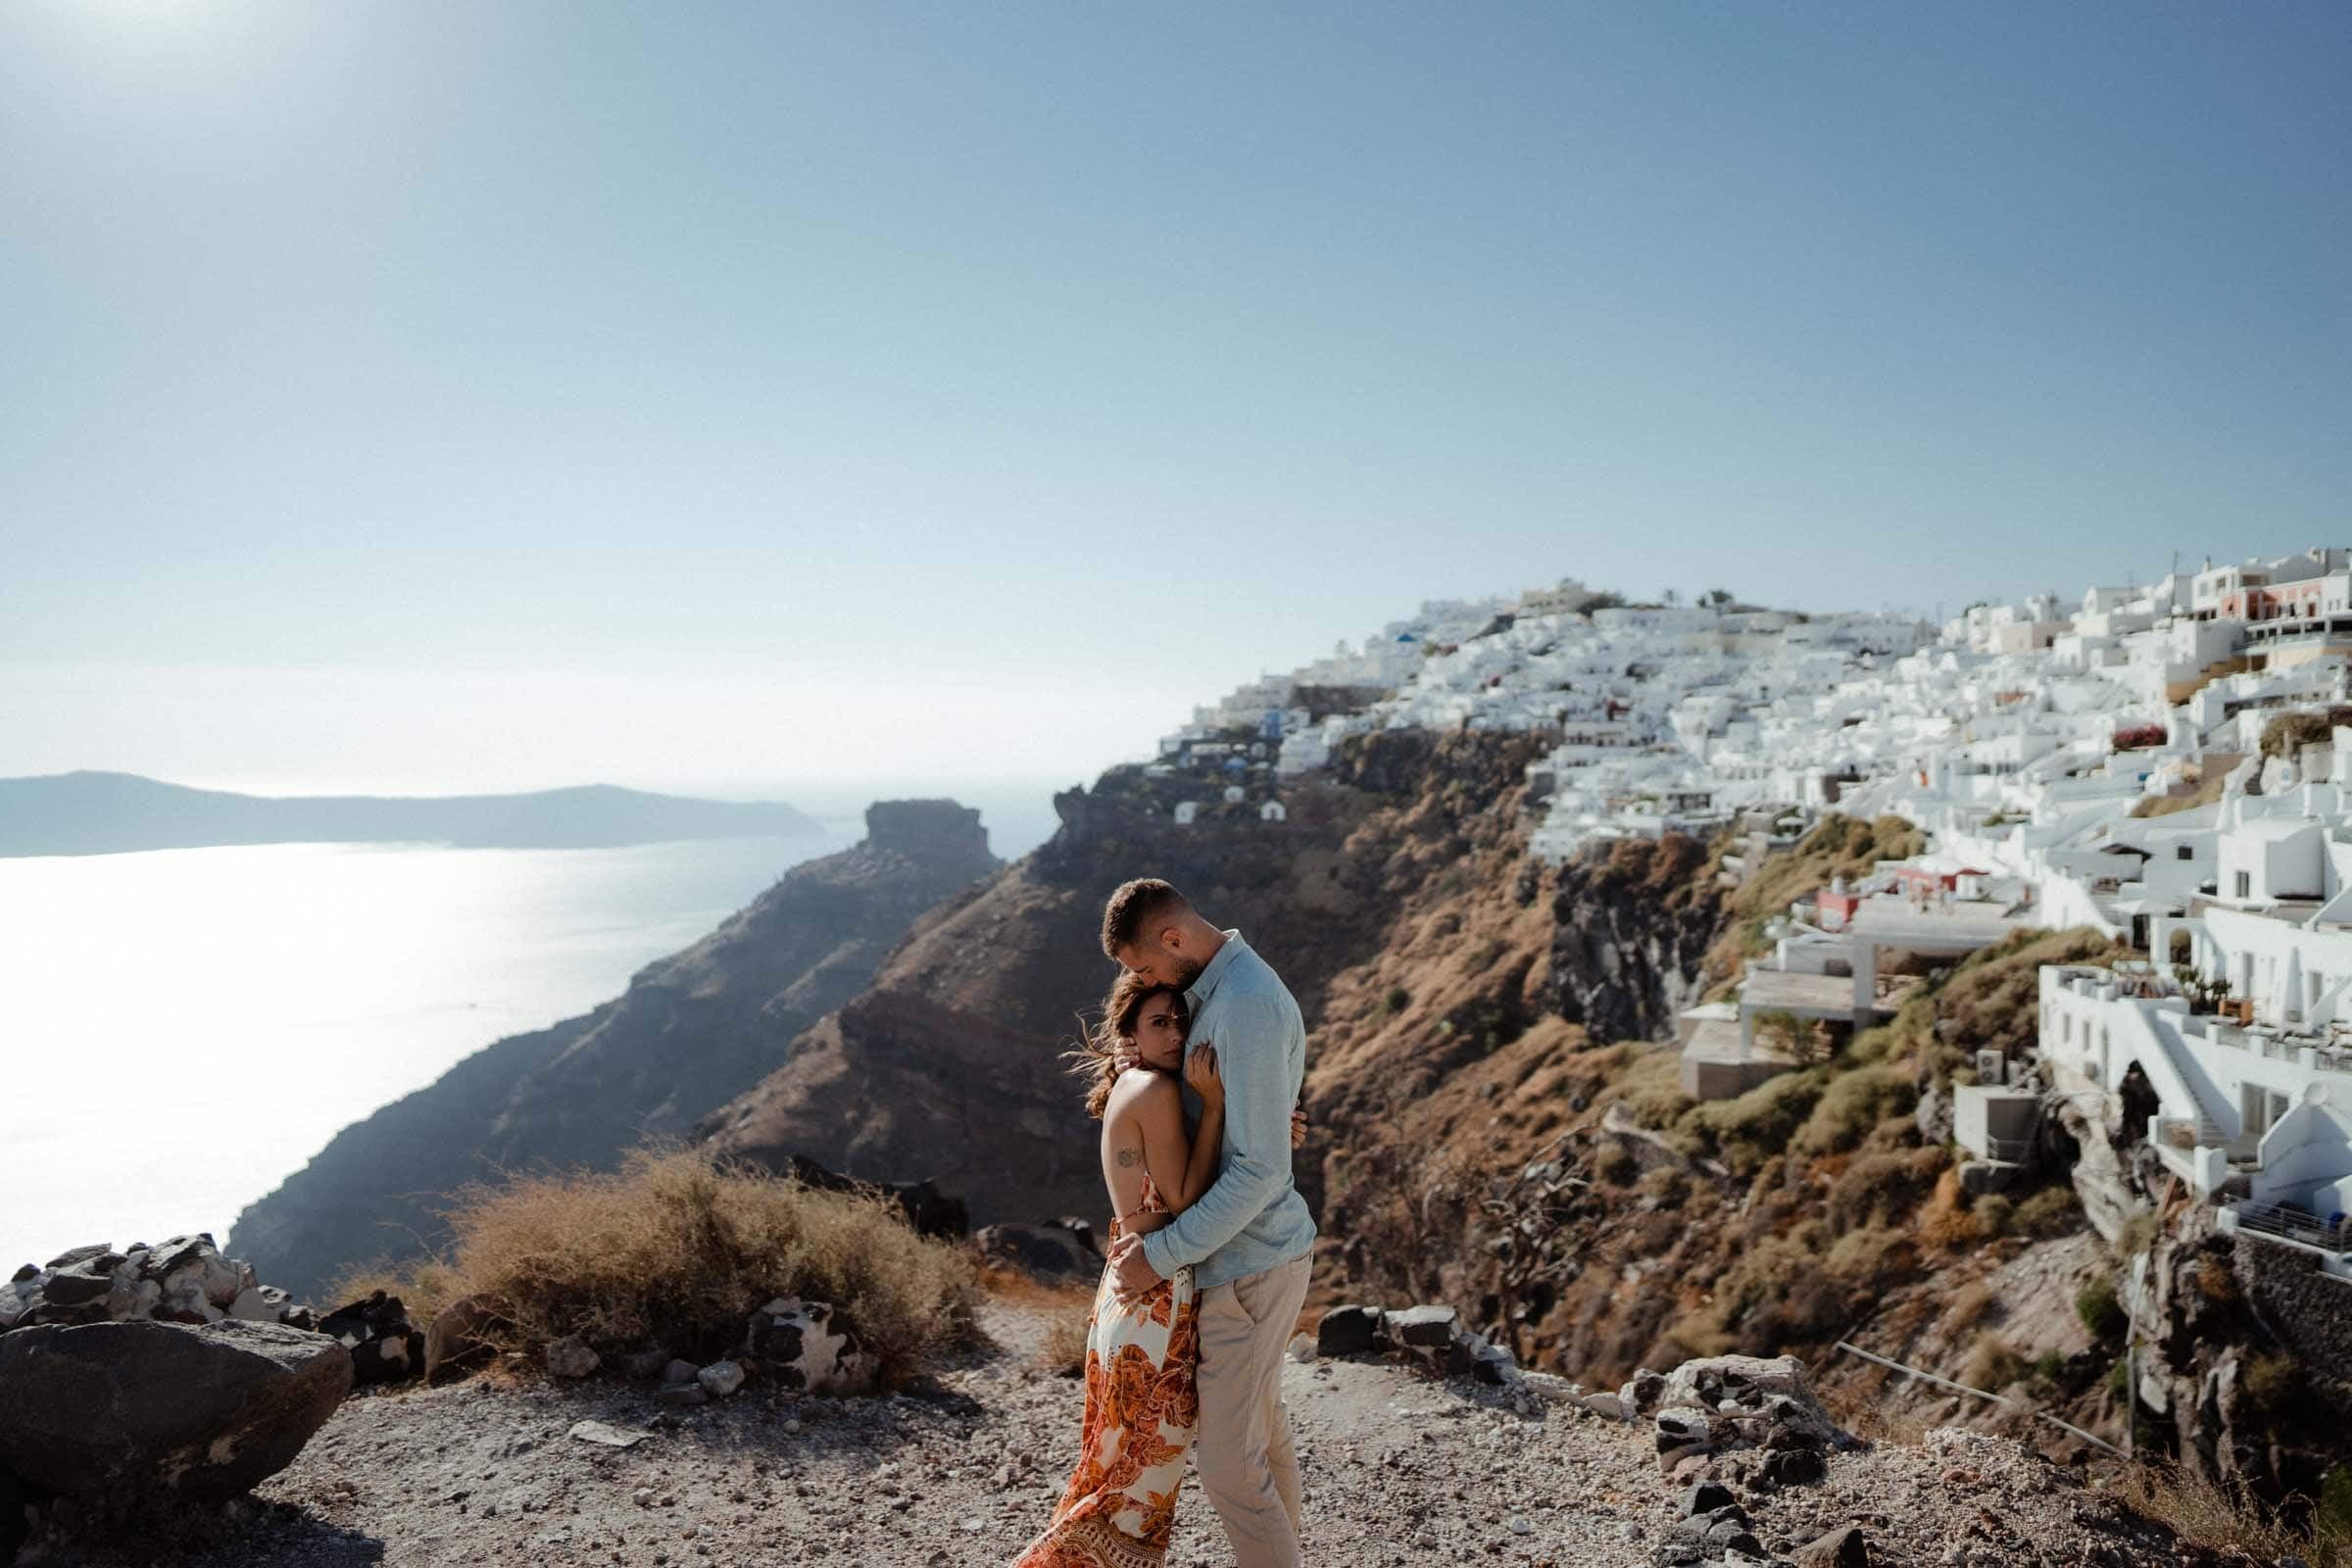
(467, 395)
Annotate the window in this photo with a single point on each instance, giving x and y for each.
(2185, 853)
(2244, 883)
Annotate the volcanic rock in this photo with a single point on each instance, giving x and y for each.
(124, 1411)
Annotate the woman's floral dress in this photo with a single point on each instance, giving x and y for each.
(1142, 1407)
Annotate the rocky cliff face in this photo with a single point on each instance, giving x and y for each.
(691, 1031)
(949, 1067)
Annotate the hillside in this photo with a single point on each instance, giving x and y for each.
(1494, 1127)
(947, 1067)
(691, 1031)
(108, 813)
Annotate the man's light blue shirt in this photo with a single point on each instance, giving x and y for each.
(1252, 1217)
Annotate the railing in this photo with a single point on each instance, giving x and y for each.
(2293, 1225)
(2009, 1151)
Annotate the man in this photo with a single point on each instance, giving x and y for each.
(1248, 1237)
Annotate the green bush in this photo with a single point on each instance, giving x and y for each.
(1744, 1131)
(2137, 1235)
(2273, 1384)
(2052, 1212)
(1853, 1104)
(2101, 1313)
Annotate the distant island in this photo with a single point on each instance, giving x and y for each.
(108, 813)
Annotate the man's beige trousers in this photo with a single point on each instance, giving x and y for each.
(1248, 1465)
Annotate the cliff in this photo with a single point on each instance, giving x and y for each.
(948, 1067)
(691, 1030)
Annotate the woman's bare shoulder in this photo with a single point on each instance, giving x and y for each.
(1141, 1086)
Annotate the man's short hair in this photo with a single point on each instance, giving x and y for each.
(1138, 906)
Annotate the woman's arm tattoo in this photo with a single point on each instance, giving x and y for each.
(1130, 1157)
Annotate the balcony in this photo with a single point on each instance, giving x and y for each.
(2288, 1226)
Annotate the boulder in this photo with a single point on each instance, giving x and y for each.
(720, 1378)
(809, 1347)
(1769, 1400)
(127, 1411)
(928, 1211)
(644, 1363)
(1430, 1328)
(384, 1348)
(1351, 1331)
(458, 1342)
(570, 1357)
(1843, 1548)
(1061, 1250)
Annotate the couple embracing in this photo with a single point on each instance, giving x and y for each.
(1208, 1259)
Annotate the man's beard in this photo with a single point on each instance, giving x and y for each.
(1187, 970)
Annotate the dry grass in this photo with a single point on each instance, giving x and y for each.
(2208, 789)
(678, 1250)
(2224, 1521)
(1991, 1364)
(1970, 1306)
(1063, 1349)
(1836, 846)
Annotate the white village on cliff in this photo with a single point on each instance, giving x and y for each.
(2168, 764)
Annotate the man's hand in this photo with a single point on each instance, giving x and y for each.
(1133, 1269)
(1297, 1129)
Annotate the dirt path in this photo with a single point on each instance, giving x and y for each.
(1399, 1470)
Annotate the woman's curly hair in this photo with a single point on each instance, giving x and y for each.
(1097, 1057)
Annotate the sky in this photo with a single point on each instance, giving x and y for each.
(438, 395)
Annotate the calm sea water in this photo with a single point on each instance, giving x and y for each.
(182, 1029)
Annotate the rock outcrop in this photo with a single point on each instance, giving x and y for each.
(948, 1064)
(691, 1031)
(182, 1279)
(128, 1412)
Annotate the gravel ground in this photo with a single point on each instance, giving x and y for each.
(1399, 1470)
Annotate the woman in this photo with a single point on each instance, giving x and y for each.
(1119, 1509)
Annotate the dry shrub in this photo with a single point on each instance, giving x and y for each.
(2222, 1520)
(1068, 1321)
(1945, 1220)
(1992, 1213)
(1882, 1188)
(679, 1250)
(2217, 1281)
(1615, 1163)
(1670, 1185)
(1991, 1364)
(1861, 1406)
(424, 1288)
(1971, 1305)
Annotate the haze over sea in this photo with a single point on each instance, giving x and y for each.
(183, 1028)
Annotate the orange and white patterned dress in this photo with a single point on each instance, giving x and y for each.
(1142, 1409)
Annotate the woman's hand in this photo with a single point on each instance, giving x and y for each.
(1297, 1129)
(1200, 1071)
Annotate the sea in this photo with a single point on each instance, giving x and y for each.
(182, 1029)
